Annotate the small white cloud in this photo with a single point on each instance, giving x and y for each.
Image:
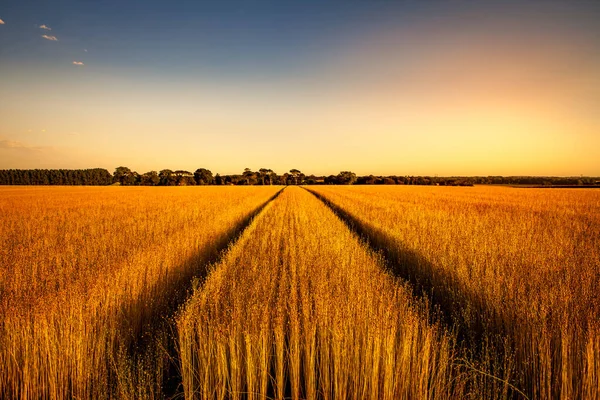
(78, 63)
(1, 22)
(50, 37)
(45, 27)
(85, 50)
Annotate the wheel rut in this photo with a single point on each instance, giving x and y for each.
(410, 266)
(160, 344)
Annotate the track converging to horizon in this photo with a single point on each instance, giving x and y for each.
(299, 293)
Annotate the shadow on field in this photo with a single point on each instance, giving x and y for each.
(451, 303)
(152, 353)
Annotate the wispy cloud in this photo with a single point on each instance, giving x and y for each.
(78, 63)
(45, 27)
(1, 22)
(85, 50)
(11, 144)
(15, 145)
(50, 37)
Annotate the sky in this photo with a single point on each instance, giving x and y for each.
(373, 86)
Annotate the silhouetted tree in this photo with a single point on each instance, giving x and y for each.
(167, 178)
(331, 180)
(249, 177)
(263, 173)
(366, 180)
(295, 173)
(346, 178)
(150, 179)
(124, 176)
(272, 176)
(203, 177)
(184, 178)
(95, 176)
(311, 180)
(300, 179)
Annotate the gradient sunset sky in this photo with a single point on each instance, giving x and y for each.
(381, 87)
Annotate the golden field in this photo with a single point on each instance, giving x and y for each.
(300, 309)
(87, 274)
(516, 270)
(257, 293)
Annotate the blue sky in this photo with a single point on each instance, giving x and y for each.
(383, 87)
(192, 36)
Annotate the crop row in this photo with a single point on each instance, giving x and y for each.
(301, 309)
(88, 275)
(329, 293)
(516, 271)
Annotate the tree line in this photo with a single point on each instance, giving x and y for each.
(264, 176)
(95, 176)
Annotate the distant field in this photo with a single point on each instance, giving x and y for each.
(330, 292)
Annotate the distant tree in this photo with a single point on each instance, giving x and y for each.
(124, 176)
(249, 177)
(150, 179)
(95, 176)
(135, 178)
(167, 178)
(186, 181)
(272, 176)
(295, 174)
(300, 179)
(311, 180)
(203, 176)
(218, 179)
(263, 173)
(346, 178)
(235, 180)
(184, 178)
(366, 180)
(331, 180)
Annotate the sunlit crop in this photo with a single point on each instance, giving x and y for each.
(517, 271)
(326, 292)
(87, 277)
(300, 309)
